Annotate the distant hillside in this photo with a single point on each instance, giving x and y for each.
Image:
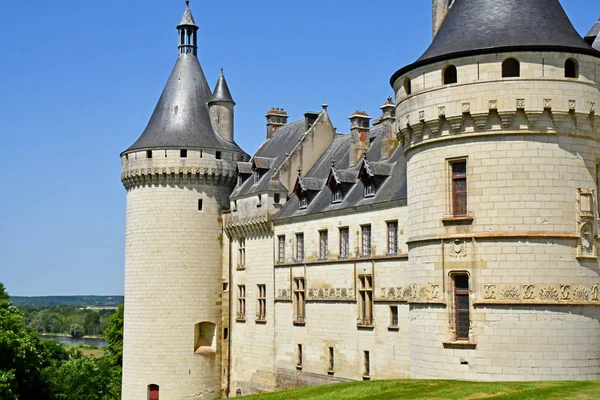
(75, 301)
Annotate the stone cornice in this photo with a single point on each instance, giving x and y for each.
(520, 120)
(495, 235)
(249, 227)
(138, 177)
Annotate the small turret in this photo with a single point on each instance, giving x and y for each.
(221, 106)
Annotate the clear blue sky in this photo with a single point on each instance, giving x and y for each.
(79, 80)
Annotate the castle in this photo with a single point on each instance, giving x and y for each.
(454, 237)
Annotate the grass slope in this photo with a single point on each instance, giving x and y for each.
(419, 389)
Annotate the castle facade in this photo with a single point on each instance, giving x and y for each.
(454, 236)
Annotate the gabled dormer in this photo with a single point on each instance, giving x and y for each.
(306, 189)
(260, 166)
(372, 175)
(339, 183)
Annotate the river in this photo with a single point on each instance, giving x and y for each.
(70, 340)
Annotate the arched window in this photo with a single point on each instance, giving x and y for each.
(511, 68)
(450, 75)
(153, 392)
(407, 86)
(571, 68)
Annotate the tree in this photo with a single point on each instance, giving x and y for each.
(22, 356)
(76, 331)
(92, 322)
(114, 336)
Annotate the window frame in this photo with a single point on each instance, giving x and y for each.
(392, 237)
(369, 189)
(366, 364)
(455, 193)
(344, 242)
(323, 244)
(261, 313)
(299, 300)
(281, 249)
(299, 356)
(458, 293)
(366, 240)
(365, 291)
(300, 250)
(241, 311)
(241, 253)
(394, 319)
(337, 196)
(303, 202)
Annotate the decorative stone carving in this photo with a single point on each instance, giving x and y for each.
(586, 233)
(422, 116)
(284, 295)
(549, 293)
(489, 292)
(520, 104)
(331, 294)
(457, 250)
(493, 104)
(509, 292)
(572, 105)
(466, 108)
(541, 293)
(528, 291)
(412, 292)
(442, 111)
(547, 104)
(592, 108)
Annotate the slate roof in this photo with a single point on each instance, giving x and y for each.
(596, 44)
(493, 26)
(389, 188)
(593, 33)
(271, 155)
(188, 18)
(221, 92)
(180, 119)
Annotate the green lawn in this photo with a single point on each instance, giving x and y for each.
(418, 389)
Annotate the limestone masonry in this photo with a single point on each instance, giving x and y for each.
(453, 236)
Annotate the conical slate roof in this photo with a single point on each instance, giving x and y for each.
(593, 33)
(181, 119)
(493, 26)
(221, 92)
(188, 18)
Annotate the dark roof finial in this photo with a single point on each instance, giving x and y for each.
(187, 3)
(299, 170)
(332, 162)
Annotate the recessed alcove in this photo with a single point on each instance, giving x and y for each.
(205, 340)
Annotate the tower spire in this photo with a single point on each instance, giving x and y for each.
(188, 32)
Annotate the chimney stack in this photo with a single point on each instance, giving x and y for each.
(440, 9)
(389, 142)
(276, 118)
(309, 119)
(359, 129)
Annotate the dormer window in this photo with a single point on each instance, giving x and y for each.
(336, 196)
(256, 176)
(370, 189)
(303, 203)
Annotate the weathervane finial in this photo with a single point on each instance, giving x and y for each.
(187, 3)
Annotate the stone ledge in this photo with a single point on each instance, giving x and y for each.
(401, 256)
(534, 303)
(495, 235)
(464, 220)
(459, 344)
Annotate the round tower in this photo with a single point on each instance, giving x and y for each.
(499, 125)
(221, 106)
(178, 176)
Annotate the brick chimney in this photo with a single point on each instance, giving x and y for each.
(440, 8)
(276, 118)
(389, 142)
(359, 129)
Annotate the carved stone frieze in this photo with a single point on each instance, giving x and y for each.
(412, 293)
(540, 293)
(331, 294)
(283, 295)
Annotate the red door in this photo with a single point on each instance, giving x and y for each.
(153, 392)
